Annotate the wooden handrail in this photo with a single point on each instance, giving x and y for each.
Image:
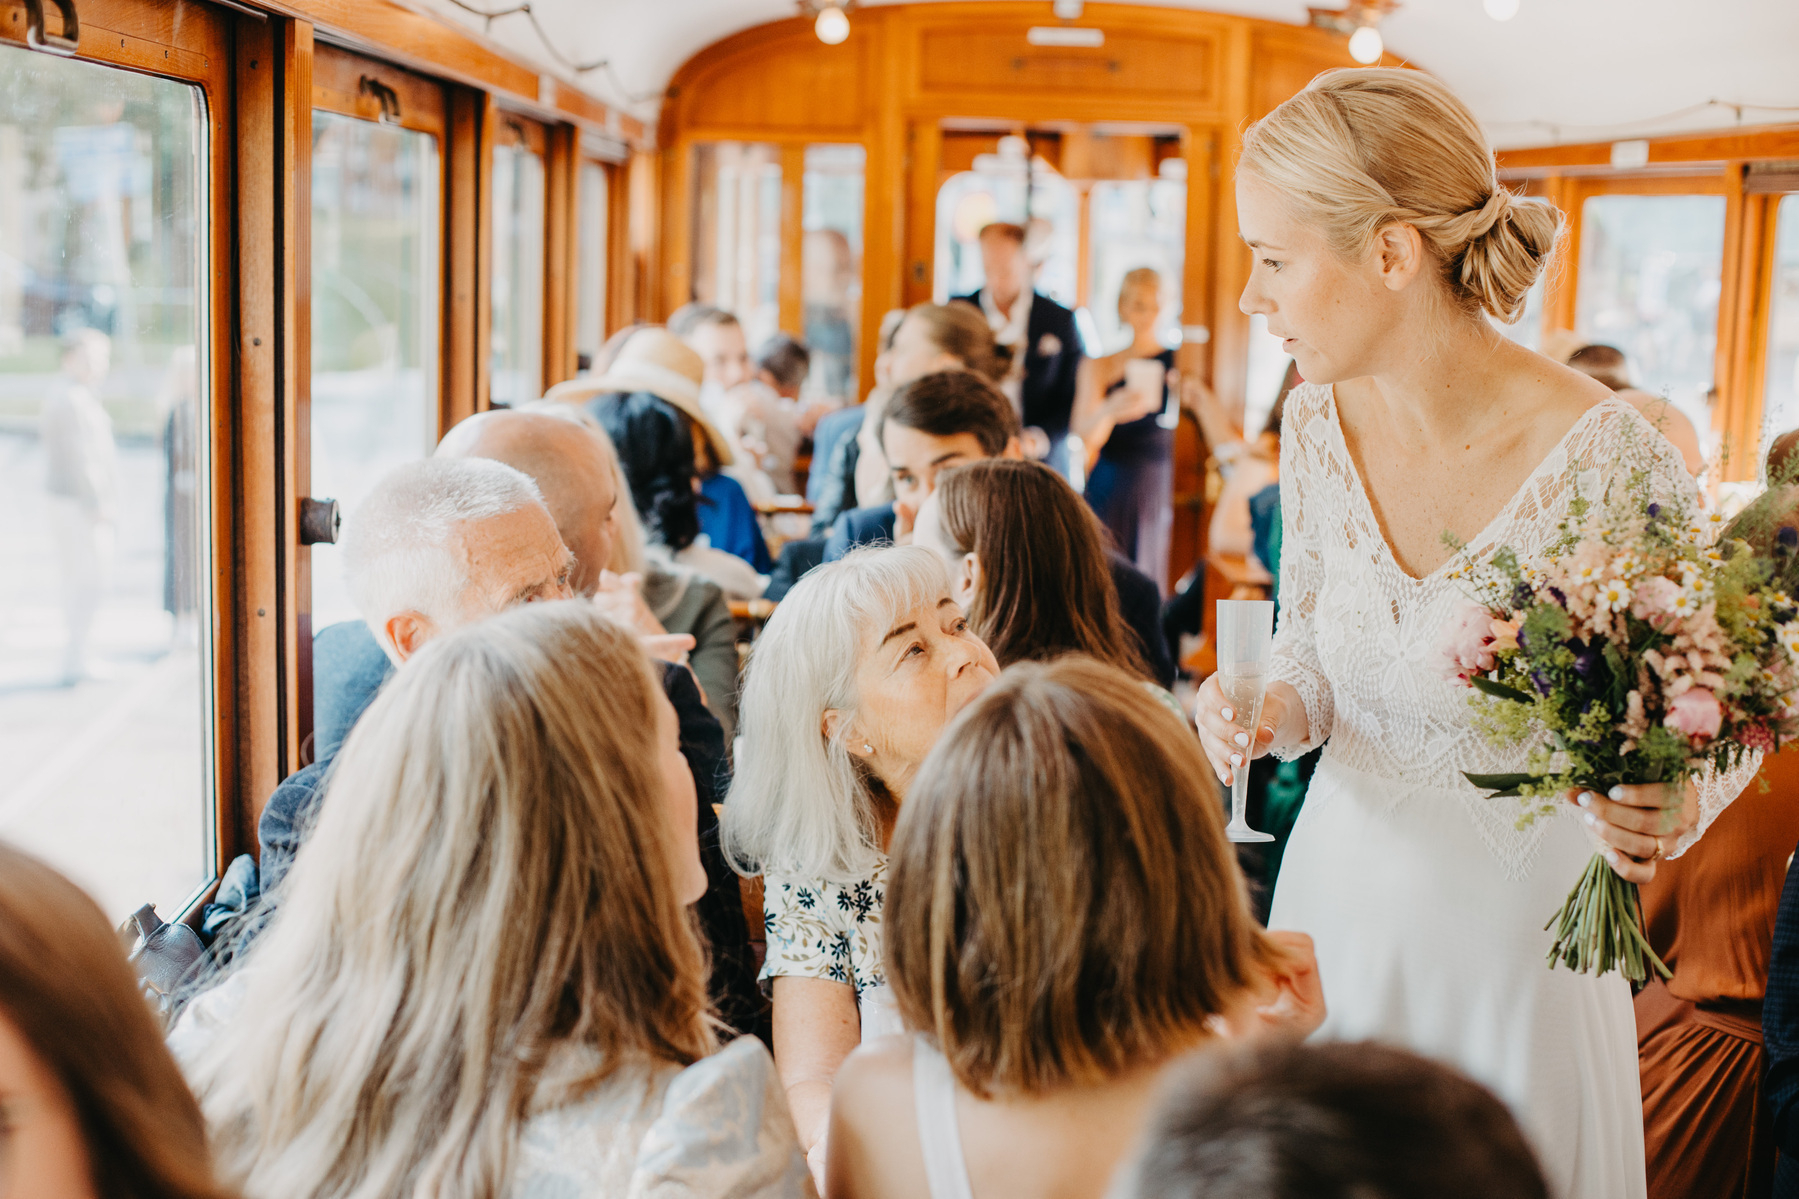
(756, 609)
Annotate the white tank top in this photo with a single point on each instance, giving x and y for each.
(934, 1098)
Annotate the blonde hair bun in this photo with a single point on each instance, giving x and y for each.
(1361, 149)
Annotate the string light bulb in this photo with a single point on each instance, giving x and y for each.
(1365, 45)
(832, 26)
(1502, 10)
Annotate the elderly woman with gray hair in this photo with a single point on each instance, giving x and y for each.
(856, 674)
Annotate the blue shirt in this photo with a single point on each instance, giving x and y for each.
(729, 522)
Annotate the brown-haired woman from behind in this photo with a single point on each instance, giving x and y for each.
(1027, 562)
(482, 979)
(1064, 919)
(91, 1103)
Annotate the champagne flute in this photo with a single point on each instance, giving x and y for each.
(1245, 633)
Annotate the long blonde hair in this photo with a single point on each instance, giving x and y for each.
(1360, 149)
(487, 884)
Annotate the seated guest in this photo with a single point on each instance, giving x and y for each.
(428, 541)
(655, 364)
(1607, 364)
(952, 418)
(783, 363)
(587, 495)
(1271, 1121)
(852, 679)
(1027, 561)
(1064, 920)
(762, 427)
(655, 451)
(527, 1015)
(91, 1104)
(831, 487)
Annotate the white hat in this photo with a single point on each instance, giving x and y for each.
(652, 360)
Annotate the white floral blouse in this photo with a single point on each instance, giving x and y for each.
(826, 930)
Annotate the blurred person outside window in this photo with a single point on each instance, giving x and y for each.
(82, 477)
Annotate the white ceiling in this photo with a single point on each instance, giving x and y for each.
(1561, 70)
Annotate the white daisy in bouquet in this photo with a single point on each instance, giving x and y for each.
(1649, 644)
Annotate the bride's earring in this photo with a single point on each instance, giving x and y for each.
(867, 748)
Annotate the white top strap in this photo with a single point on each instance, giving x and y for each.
(934, 1098)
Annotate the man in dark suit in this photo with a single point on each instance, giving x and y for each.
(949, 419)
(1040, 331)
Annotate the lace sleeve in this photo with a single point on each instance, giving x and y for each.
(1296, 661)
(1631, 441)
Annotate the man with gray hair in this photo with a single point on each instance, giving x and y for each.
(437, 545)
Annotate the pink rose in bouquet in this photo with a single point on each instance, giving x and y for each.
(1695, 712)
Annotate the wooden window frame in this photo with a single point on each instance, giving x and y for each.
(509, 127)
(193, 43)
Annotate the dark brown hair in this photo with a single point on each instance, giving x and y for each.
(1604, 363)
(950, 402)
(1062, 905)
(1005, 229)
(959, 328)
(1268, 1121)
(1046, 587)
(65, 984)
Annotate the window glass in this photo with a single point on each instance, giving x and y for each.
(516, 373)
(1527, 330)
(1136, 223)
(590, 293)
(831, 267)
(376, 237)
(1780, 389)
(1009, 186)
(105, 634)
(737, 232)
(1649, 285)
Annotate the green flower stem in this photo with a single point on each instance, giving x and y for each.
(1600, 927)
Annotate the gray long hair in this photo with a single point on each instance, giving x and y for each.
(800, 804)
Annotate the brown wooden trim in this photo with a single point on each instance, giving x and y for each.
(647, 235)
(620, 289)
(1744, 340)
(1728, 413)
(924, 159)
(791, 286)
(465, 196)
(338, 86)
(483, 331)
(438, 47)
(296, 303)
(561, 272)
(676, 204)
(1715, 148)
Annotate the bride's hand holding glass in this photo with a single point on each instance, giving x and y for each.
(1282, 724)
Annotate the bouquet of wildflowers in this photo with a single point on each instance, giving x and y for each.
(1647, 643)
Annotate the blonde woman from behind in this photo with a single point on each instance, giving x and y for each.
(1065, 918)
(482, 980)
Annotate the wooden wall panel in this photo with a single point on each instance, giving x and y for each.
(466, 157)
(960, 57)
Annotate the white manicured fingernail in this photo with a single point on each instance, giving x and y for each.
(1236, 759)
(1226, 713)
(1611, 855)
(1616, 792)
(1590, 818)
(1585, 799)
(1241, 739)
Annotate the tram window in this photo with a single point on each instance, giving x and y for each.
(1649, 284)
(831, 266)
(1135, 223)
(1527, 330)
(376, 238)
(516, 349)
(1001, 188)
(590, 290)
(1781, 386)
(737, 232)
(106, 713)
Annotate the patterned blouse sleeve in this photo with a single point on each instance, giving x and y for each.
(1303, 510)
(1624, 444)
(804, 929)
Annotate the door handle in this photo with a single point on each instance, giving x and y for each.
(63, 44)
(319, 521)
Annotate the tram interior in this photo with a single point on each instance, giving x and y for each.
(256, 256)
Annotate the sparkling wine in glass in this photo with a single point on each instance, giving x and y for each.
(1245, 632)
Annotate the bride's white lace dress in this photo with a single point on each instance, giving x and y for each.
(1426, 904)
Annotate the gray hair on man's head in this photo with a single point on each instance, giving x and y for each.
(799, 803)
(402, 547)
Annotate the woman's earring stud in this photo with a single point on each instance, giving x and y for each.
(867, 748)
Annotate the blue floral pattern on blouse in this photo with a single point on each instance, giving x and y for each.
(819, 929)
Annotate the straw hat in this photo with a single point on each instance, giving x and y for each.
(656, 361)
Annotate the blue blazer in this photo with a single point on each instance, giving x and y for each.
(1051, 360)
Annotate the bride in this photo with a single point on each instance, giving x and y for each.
(1382, 240)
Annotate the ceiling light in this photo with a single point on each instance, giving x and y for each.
(1068, 10)
(832, 27)
(1502, 10)
(1365, 45)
